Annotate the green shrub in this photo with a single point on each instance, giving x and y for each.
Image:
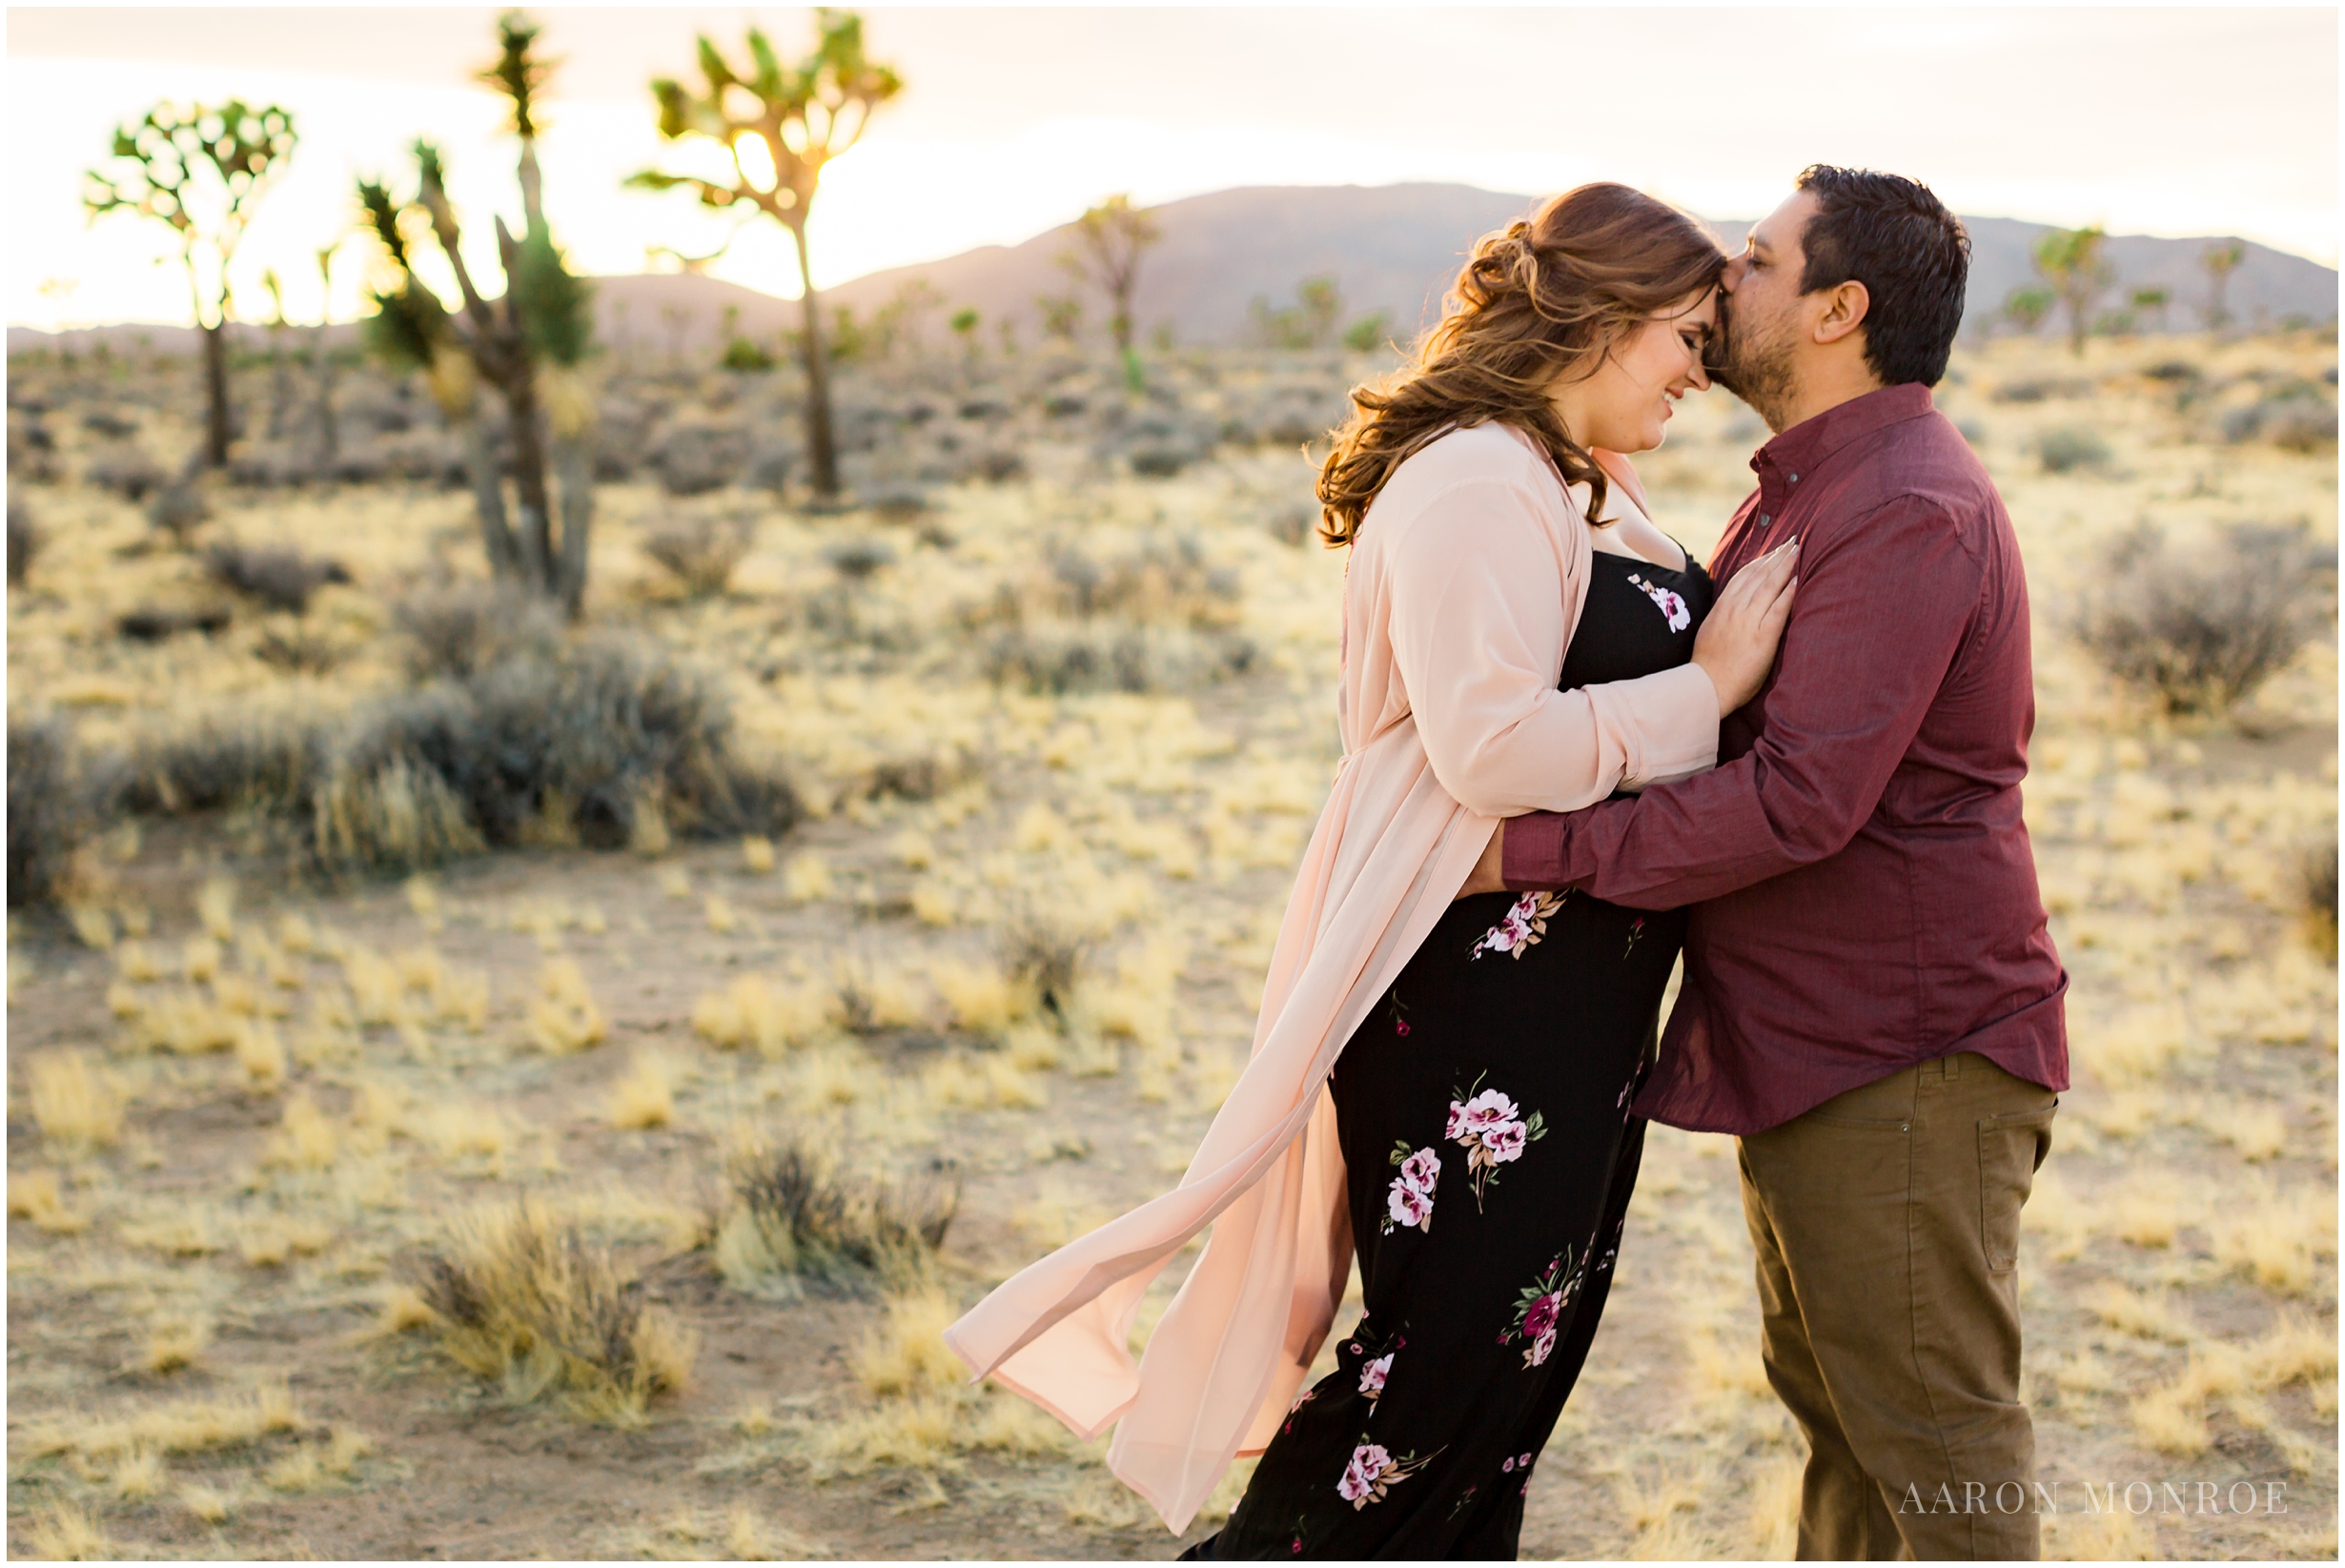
(56, 800)
(2067, 448)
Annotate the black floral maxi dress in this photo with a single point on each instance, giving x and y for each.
(1483, 1109)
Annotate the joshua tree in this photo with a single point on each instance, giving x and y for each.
(526, 345)
(2070, 262)
(1062, 316)
(1110, 238)
(1308, 324)
(782, 124)
(2221, 259)
(963, 324)
(2152, 301)
(203, 170)
(2025, 307)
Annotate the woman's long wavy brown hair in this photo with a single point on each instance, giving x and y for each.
(1537, 298)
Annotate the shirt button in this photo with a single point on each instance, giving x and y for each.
(1765, 519)
(1795, 478)
(1905, 1127)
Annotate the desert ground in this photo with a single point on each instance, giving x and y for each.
(381, 1186)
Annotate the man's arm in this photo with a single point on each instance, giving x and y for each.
(1882, 612)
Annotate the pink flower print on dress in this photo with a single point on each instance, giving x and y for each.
(1408, 1203)
(1493, 1130)
(1525, 922)
(1504, 1141)
(1372, 1376)
(1373, 1471)
(1369, 1461)
(1671, 604)
(1540, 1308)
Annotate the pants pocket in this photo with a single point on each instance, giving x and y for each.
(2011, 1149)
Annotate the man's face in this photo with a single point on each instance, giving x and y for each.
(1753, 354)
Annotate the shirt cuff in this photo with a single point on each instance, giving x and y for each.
(1532, 855)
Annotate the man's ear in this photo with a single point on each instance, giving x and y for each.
(1843, 312)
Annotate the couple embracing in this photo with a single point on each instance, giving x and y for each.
(1571, 752)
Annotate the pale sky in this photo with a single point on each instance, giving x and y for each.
(2171, 121)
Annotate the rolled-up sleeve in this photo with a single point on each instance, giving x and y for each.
(1477, 637)
(1877, 625)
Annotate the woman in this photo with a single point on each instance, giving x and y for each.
(1441, 1082)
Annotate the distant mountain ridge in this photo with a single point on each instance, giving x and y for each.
(1391, 248)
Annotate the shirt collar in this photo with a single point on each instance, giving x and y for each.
(1809, 442)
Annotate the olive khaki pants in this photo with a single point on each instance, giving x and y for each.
(1886, 1225)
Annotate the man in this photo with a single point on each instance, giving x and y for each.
(1870, 1001)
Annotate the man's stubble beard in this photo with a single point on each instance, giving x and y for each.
(1756, 369)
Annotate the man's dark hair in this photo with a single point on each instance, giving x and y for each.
(1889, 234)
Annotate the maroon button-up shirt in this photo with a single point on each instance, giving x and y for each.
(1864, 894)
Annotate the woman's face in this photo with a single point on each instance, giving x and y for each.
(1625, 405)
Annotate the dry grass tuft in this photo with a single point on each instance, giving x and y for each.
(787, 1210)
(74, 1106)
(2275, 1239)
(174, 1344)
(646, 1096)
(35, 1195)
(982, 1001)
(2147, 1316)
(190, 1427)
(564, 1017)
(907, 1354)
(65, 1533)
(528, 1303)
(754, 1012)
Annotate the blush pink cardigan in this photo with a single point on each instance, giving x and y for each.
(1462, 591)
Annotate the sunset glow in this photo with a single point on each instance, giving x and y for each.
(2159, 121)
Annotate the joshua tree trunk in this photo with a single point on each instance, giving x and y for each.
(488, 498)
(525, 422)
(822, 449)
(215, 393)
(573, 469)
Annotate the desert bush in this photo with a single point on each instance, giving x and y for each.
(2042, 389)
(695, 457)
(1075, 657)
(24, 542)
(858, 558)
(2319, 877)
(789, 1211)
(2177, 372)
(528, 1302)
(2293, 416)
(280, 578)
(2066, 448)
(1160, 583)
(1045, 953)
(222, 761)
(589, 739)
(271, 465)
(2201, 629)
(465, 628)
(155, 624)
(126, 471)
(700, 553)
(179, 508)
(56, 800)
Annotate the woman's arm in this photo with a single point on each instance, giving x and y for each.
(1477, 629)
